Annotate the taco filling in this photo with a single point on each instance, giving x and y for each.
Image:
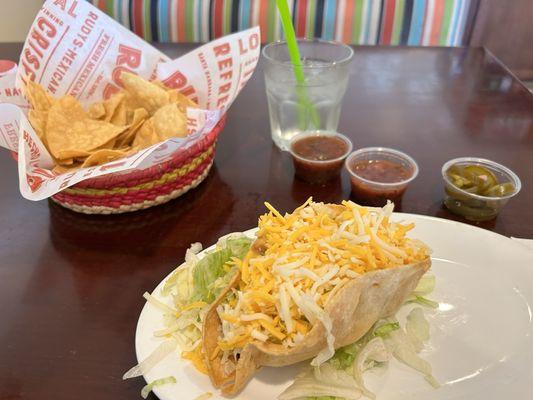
(313, 280)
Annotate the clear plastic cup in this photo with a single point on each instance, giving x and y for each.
(315, 103)
(375, 192)
(316, 171)
(475, 207)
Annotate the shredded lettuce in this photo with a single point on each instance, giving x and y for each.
(158, 303)
(324, 382)
(325, 398)
(425, 286)
(180, 277)
(417, 328)
(404, 351)
(201, 281)
(158, 382)
(373, 352)
(207, 271)
(211, 267)
(422, 301)
(160, 352)
(345, 356)
(385, 339)
(238, 245)
(384, 330)
(197, 280)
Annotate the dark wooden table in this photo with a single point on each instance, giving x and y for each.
(71, 285)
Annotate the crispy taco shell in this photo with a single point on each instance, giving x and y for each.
(353, 309)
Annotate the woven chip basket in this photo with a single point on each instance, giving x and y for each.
(139, 189)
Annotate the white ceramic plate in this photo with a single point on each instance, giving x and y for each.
(481, 344)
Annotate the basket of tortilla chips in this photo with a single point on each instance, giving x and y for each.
(102, 122)
(133, 119)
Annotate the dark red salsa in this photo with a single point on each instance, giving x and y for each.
(319, 158)
(320, 148)
(383, 171)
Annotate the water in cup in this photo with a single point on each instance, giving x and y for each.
(288, 117)
(292, 104)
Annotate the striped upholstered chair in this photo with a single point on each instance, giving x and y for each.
(384, 22)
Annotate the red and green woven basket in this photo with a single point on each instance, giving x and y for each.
(140, 189)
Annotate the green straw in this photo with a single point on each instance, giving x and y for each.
(294, 54)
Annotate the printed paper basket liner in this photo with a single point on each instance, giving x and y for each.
(73, 48)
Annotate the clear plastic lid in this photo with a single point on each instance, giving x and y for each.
(502, 173)
(307, 134)
(382, 153)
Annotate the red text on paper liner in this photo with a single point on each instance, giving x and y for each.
(45, 38)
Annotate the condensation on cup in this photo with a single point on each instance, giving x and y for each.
(7, 67)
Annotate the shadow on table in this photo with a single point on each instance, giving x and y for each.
(172, 225)
(86, 284)
(96, 261)
(330, 192)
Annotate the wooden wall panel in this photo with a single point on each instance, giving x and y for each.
(505, 27)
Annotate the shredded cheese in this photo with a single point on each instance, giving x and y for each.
(204, 396)
(305, 257)
(256, 316)
(196, 358)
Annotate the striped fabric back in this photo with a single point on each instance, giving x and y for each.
(386, 22)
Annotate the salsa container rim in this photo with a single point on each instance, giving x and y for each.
(304, 134)
(484, 162)
(383, 150)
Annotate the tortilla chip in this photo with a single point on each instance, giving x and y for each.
(160, 84)
(353, 310)
(39, 99)
(38, 120)
(143, 114)
(146, 135)
(170, 122)
(102, 156)
(120, 116)
(112, 104)
(131, 150)
(71, 133)
(62, 169)
(137, 119)
(96, 111)
(181, 100)
(112, 110)
(143, 93)
(65, 161)
(70, 154)
(109, 145)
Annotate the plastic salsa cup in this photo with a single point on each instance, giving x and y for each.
(379, 174)
(318, 156)
(475, 207)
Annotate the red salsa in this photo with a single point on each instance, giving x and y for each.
(382, 171)
(320, 148)
(319, 158)
(378, 173)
